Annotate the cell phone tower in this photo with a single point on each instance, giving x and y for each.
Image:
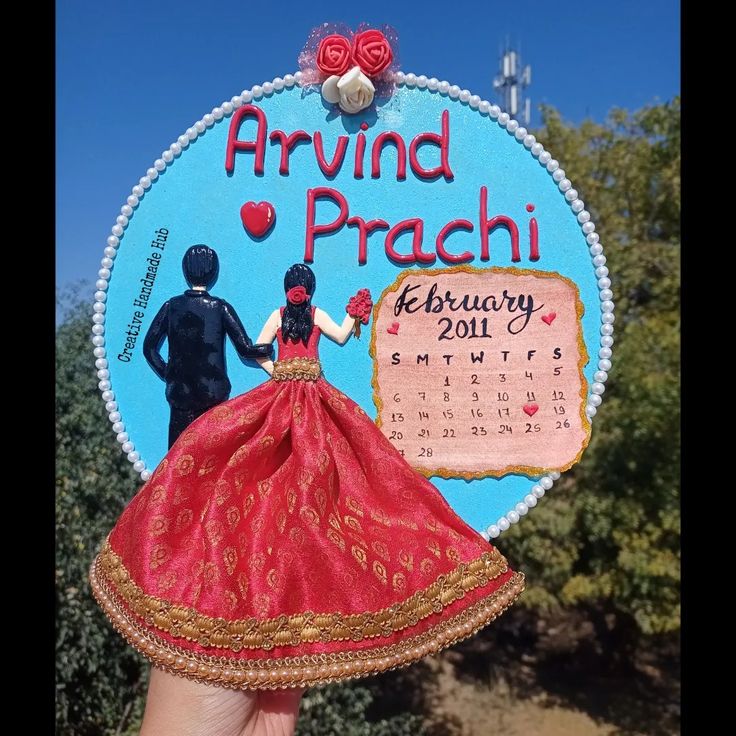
(511, 82)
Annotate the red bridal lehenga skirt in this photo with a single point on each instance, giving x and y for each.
(284, 542)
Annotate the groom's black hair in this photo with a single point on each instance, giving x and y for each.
(200, 265)
(296, 321)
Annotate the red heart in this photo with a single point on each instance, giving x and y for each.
(549, 318)
(257, 219)
(394, 329)
(531, 409)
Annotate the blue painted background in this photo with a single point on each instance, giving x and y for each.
(198, 202)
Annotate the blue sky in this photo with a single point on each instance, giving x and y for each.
(132, 76)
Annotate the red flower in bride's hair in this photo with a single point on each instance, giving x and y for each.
(334, 55)
(372, 52)
(297, 295)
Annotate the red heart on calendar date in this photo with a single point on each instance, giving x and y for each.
(257, 219)
(531, 409)
(549, 318)
(394, 329)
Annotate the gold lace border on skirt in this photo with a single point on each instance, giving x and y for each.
(309, 670)
(301, 628)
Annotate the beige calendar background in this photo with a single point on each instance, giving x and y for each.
(478, 372)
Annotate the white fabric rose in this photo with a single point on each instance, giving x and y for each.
(353, 91)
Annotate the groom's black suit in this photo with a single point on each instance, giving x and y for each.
(195, 324)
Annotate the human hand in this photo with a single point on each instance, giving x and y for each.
(177, 706)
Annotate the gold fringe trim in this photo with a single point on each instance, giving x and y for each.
(302, 628)
(309, 670)
(297, 369)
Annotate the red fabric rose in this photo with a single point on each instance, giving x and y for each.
(360, 306)
(334, 55)
(372, 52)
(297, 295)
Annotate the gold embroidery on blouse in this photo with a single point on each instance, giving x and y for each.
(296, 535)
(309, 515)
(184, 465)
(231, 600)
(379, 569)
(248, 417)
(323, 461)
(159, 555)
(281, 521)
(381, 516)
(159, 525)
(208, 465)
(158, 494)
(261, 603)
(321, 496)
(222, 412)
(291, 500)
(381, 550)
(360, 555)
(243, 585)
(296, 369)
(233, 517)
(407, 560)
(452, 554)
(352, 522)
(240, 454)
(264, 487)
(180, 495)
(304, 479)
(273, 579)
(206, 508)
(230, 557)
(296, 412)
(354, 506)
(213, 439)
(334, 537)
(160, 469)
(399, 581)
(166, 581)
(215, 531)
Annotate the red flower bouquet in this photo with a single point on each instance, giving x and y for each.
(360, 307)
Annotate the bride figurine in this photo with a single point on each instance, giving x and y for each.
(284, 542)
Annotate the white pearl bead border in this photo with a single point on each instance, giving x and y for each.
(409, 80)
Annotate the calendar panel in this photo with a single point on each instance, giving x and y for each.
(479, 372)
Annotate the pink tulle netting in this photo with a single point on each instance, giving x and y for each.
(311, 75)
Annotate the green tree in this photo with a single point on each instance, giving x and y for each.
(354, 709)
(607, 536)
(99, 680)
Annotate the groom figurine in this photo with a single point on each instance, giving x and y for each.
(195, 324)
